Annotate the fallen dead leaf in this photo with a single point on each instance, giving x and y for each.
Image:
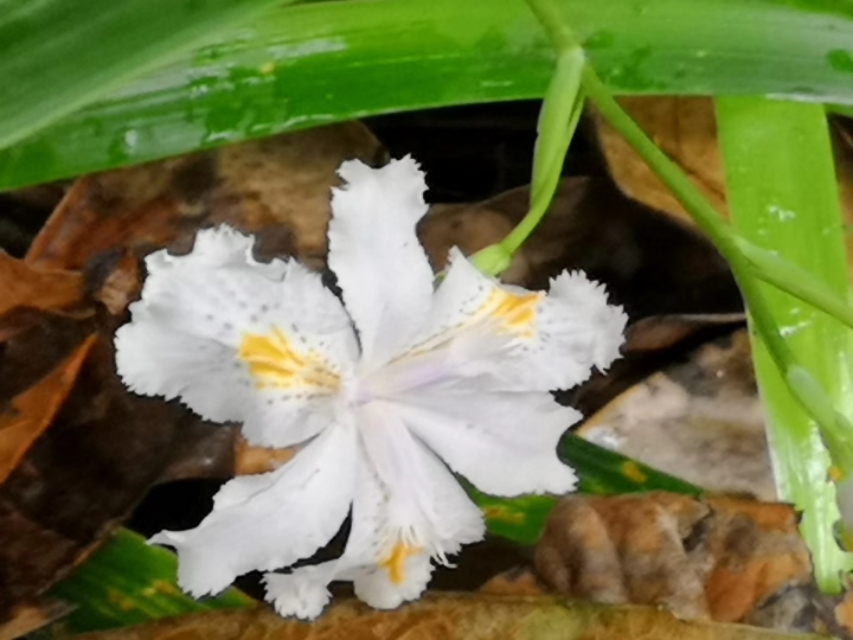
(102, 452)
(727, 558)
(697, 417)
(22, 285)
(456, 616)
(276, 187)
(29, 618)
(685, 129)
(32, 411)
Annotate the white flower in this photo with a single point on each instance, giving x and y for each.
(377, 393)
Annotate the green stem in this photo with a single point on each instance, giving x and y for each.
(558, 119)
(787, 276)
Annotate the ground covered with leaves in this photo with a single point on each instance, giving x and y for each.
(81, 457)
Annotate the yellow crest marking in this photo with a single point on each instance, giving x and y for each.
(273, 362)
(516, 313)
(395, 563)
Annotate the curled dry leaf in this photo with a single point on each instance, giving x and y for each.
(726, 558)
(102, 452)
(28, 618)
(33, 410)
(23, 285)
(685, 128)
(277, 187)
(698, 418)
(449, 617)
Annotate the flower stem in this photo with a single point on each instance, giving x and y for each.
(749, 267)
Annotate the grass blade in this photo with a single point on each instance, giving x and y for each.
(783, 196)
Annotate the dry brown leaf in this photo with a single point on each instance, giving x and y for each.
(102, 452)
(31, 617)
(22, 285)
(698, 417)
(685, 129)
(32, 411)
(277, 187)
(727, 558)
(448, 617)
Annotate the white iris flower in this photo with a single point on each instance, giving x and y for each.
(386, 393)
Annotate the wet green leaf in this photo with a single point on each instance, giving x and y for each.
(305, 65)
(783, 196)
(59, 55)
(129, 582)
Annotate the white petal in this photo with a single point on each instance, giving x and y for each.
(238, 341)
(380, 557)
(303, 593)
(504, 443)
(374, 584)
(539, 342)
(270, 521)
(425, 502)
(382, 269)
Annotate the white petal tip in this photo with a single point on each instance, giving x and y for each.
(293, 597)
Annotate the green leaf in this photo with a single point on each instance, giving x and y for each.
(59, 55)
(129, 582)
(783, 196)
(600, 472)
(311, 64)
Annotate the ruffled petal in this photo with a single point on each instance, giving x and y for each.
(382, 269)
(481, 435)
(388, 562)
(236, 340)
(426, 504)
(525, 340)
(269, 521)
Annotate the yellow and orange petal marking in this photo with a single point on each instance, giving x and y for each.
(395, 562)
(516, 313)
(273, 362)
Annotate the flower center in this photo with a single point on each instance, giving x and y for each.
(395, 562)
(273, 362)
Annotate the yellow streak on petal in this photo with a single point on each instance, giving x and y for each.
(272, 361)
(516, 313)
(395, 563)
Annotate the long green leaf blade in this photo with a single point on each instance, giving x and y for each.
(129, 582)
(311, 64)
(59, 55)
(783, 197)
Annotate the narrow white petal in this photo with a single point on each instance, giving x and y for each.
(382, 269)
(270, 521)
(425, 501)
(235, 340)
(504, 443)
